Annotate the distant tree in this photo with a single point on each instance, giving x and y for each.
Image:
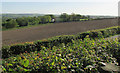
(11, 24)
(4, 19)
(78, 16)
(33, 20)
(4, 23)
(83, 17)
(30, 19)
(23, 21)
(73, 17)
(8, 19)
(52, 16)
(39, 19)
(48, 19)
(64, 17)
(45, 19)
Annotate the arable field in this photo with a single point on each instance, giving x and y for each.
(95, 51)
(88, 52)
(42, 32)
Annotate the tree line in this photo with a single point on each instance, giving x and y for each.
(73, 17)
(25, 21)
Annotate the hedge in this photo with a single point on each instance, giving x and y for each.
(16, 49)
(86, 56)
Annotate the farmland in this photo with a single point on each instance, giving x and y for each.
(56, 29)
(82, 47)
(83, 53)
(60, 37)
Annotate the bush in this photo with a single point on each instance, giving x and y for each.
(17, 49)
(6, 52)
(11, 24)
(22, 21)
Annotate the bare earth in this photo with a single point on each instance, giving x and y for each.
(41, 32)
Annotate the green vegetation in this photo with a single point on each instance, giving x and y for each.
(78, 56)
(73, 17)
(84, 19)
(84, 52)
(8, 23)
(11, 23)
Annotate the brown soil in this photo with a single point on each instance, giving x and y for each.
(42, 32)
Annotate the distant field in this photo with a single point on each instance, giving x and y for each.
(42, 32)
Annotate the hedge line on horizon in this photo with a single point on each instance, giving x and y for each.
(16, 49)
(8, 23)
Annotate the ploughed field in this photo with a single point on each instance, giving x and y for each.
(41, 32)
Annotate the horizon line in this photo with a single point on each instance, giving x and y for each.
(59, 14)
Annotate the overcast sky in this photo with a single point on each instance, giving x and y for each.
(84, 7)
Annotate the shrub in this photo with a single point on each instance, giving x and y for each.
(22, 21)
(11, 24)
(17, 49)
(6, 52)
